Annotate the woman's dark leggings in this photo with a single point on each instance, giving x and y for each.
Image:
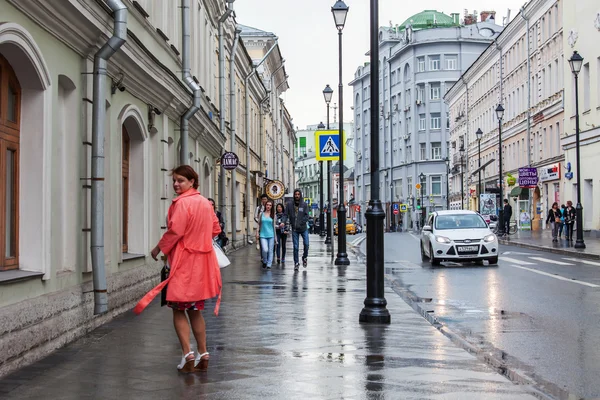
(280, 248)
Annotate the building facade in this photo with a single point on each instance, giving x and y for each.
(522, 70)
(582, 30)
(418, 62)
(47, 71)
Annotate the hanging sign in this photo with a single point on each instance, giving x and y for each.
(275, 190)
(230, 160)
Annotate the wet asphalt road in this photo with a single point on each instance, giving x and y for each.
(539, 312)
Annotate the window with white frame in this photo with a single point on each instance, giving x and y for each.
(436, 150)
(422, 151)
(422, 122)
(436, 121)
(434, 63)
(421, 64)
(436, 185)
(420, 93)
(435, 91)
(451, 63)
(409, 186)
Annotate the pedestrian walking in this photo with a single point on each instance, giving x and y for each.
(266, 234)
(282, 225)
(222, 239)
(507, 216)
(194, 274)
(570, 219)
(297, 212)
(259, 209)
(553, 219)
(562, 226)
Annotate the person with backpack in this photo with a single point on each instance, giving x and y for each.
(297, 212)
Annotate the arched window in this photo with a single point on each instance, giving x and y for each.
(10, 117)
(125, 153)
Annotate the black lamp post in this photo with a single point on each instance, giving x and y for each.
(375, 310)
(340, 11)
(447, 161)
(321, 216)
(422, 178)
(328, 94)
(479, 134)
(576, 61)
(462, 177)
(500, 115)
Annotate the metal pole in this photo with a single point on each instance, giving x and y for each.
(479, 196)
(501, 179)
(328, 240)
(342, 256)
(233, 138)
(321, 216)
(375, 310)
(462, 185)
(448, 183)
(579, 243)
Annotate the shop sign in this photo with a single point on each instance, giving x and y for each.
(528, 177)
(549, 172)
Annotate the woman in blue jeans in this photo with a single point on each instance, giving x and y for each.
(266, 233)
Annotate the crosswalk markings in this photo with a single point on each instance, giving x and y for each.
(583, 261)
(562, 278)
(514, 260)
(546, 260)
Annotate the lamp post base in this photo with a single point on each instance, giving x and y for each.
(342, 255)
(375, 311)
(579, 243)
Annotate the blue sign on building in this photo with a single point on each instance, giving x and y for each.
(328, 145)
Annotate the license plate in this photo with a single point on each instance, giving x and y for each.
(465, 249)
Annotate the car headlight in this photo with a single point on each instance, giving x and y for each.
(442, 239)
(489, 238)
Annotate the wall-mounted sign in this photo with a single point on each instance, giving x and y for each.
(275, 190)
(528, 177)
(230, 160)
(549, 172)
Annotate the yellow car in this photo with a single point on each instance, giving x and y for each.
(350, 228)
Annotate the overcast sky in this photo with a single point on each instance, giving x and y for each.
(309, 43)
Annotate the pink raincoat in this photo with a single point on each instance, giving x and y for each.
(195, 273)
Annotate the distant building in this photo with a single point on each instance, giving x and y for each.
(419, 61)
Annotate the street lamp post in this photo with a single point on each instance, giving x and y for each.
(422, 177)
(321, 216)
(447, 160)
(340, 11)
(462, 177)
(479, 134)
(327, 94)
(375, 310)
(500, 115)
(576, 61)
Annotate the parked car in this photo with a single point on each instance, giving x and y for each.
(458, 235)
(350, 227)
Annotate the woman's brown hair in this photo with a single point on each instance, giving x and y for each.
(187, 172)
(272, 208)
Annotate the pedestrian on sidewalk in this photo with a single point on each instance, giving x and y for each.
(507, 216)
(222, 239)
(562, 226)
(266, 234)
(297, 212)
(194, 274)
(283, 227)
(259, 209)
(570, 218)
(553, 219)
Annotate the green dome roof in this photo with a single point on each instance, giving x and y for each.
(428, 19)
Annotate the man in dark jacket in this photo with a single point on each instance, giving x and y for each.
(297, 212)
(507, 216)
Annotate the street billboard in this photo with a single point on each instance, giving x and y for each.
(488, 203)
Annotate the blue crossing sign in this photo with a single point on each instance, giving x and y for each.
(328, 145)
(395, 206)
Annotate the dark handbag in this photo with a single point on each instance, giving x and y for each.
(164, 274)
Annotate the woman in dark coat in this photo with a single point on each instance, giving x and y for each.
(570, 217)
(553, 219)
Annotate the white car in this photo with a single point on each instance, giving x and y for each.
(458, 235)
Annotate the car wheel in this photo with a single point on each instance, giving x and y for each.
(423, 256)
(434, 261)
(493, 260)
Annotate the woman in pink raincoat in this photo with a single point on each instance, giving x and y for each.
(195, 274)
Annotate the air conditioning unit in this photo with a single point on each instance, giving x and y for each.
(418, 102)
(396, 107)
(407, 108)
(406, 137)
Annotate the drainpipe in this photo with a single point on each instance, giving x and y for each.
(247, 138)
(233, 140)
(275, 105)
(262, 137)
(528, 87)
(98, 118)
(222, 189)
(187, 78)
(281, 138)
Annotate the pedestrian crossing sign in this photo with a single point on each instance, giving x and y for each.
(328, 145)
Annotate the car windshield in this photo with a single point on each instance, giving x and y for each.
(459, 221)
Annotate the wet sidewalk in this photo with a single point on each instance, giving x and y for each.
(542, 240)
(280, 335)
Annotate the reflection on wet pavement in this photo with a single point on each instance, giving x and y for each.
(280, 334)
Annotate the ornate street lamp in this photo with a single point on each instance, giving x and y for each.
(576, 62)
(479, 134)
(375, 310)
(500, 115)
(340, 11)
(327, 95)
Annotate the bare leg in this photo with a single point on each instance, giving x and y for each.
(182, 327)
(199, 329)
